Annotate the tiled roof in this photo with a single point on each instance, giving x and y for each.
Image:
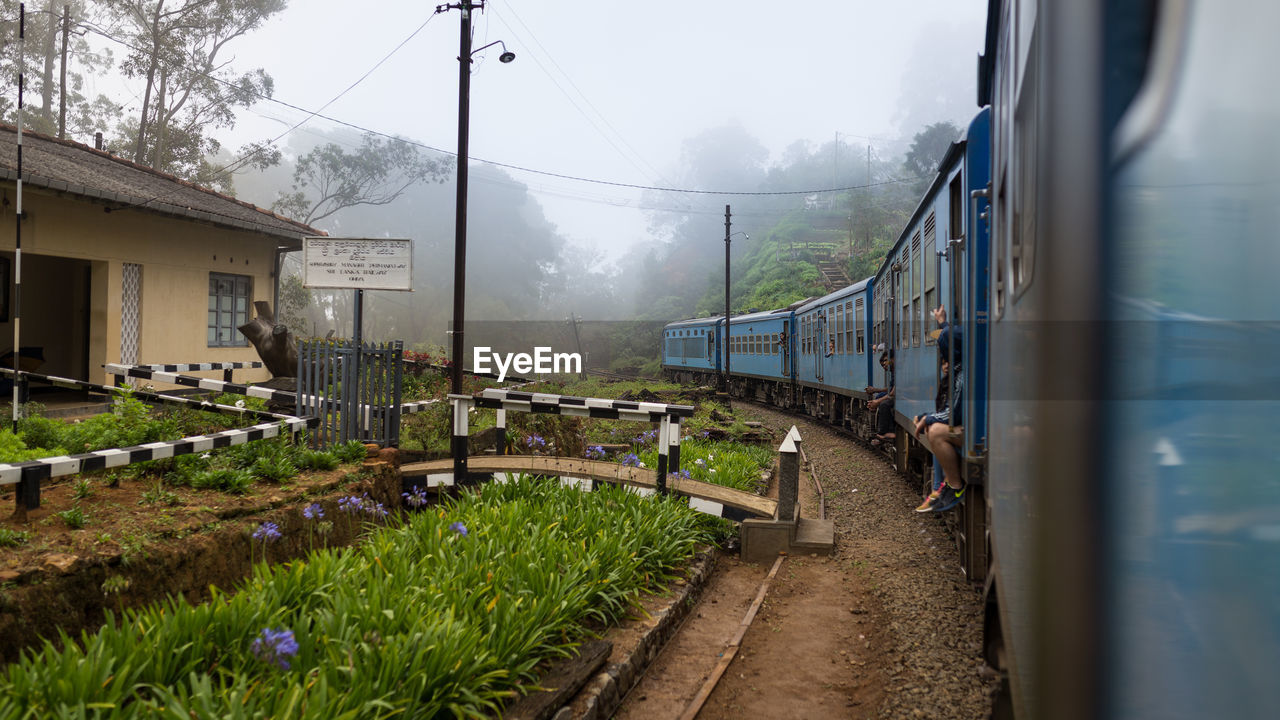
(80, 170)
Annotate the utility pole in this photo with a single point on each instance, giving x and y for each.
(459, 442)
(866, 223)
(573, 319)
(726, 344)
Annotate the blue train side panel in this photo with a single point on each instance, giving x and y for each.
(757, 343)
(691, 345)
(833, 342)
(1194, 562)
(974, 299)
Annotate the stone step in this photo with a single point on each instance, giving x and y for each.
(814, 536)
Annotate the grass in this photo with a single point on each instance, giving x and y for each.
(448, 614)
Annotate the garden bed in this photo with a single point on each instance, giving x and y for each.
(452, 613)
(142, 541)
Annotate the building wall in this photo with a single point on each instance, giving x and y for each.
(176, 256)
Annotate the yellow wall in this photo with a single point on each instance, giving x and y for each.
(176, 256)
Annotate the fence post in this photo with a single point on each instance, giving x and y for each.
(674, 452)
(500, 433)
(788, 478)
(461, 404)
(664, 435)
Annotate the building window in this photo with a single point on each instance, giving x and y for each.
(229, 298)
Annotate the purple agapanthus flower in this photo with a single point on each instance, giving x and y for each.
(267, 532)
(417, 497)
(459, 528)
(376, 509)
(313, 511)
(535, 442)
(595, 452)
(684, 474)
(350, 504)
(631, 459)
(275, 647)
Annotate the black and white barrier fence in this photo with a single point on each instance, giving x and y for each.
(29, 475)
(145, 372)
(149, 396)
(503, 400)
(225, 367)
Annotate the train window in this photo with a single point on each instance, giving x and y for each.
(958, 203)
(849, 328)
(904, 292)
(1021, 252)
(930, 259)
(839, 338)
(917, 317)
(859, 319)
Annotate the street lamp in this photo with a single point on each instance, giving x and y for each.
(459, 442)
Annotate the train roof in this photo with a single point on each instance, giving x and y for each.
(691, 322)
(953, 157)
(761, 315)
(836, 295)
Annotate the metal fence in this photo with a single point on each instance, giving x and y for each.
(353, 390)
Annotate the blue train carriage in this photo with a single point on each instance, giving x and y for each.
(1132, 468)
(760, 361)
(834, 353)
(934, 264)
(691, 350)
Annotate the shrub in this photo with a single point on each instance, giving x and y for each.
(350, 451)
(315, 459)
(13, 538)
(42, 432)
(231, 480)
(74, 517)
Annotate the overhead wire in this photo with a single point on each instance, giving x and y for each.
(635, 155)
(519, 168)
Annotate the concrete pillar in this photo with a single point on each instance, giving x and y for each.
(788, 479)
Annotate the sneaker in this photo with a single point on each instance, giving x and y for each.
(950, 498)
(928, 503)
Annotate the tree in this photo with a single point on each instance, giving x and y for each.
(328, 178)
(177, 47)
(929, 147)
(57, 57)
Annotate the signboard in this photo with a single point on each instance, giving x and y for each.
(357, 263)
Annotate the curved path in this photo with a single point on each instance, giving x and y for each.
(886, 628)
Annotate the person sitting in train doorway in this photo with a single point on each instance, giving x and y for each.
(831, 347)
(940, 403)
(943, 431)
(882, 402)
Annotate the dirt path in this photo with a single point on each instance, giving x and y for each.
(886, 628)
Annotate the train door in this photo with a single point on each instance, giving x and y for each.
(784, 349)
(820, 343)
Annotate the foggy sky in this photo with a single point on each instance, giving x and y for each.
(609, 90)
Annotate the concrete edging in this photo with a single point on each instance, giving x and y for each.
(603, 693)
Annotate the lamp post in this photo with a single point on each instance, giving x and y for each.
(459, 442)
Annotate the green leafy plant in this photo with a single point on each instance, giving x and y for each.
(82, 489)
(229, 480)
(74, 517)
(158, 494)
(350, 451)
(316, 459)
(13, 538)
